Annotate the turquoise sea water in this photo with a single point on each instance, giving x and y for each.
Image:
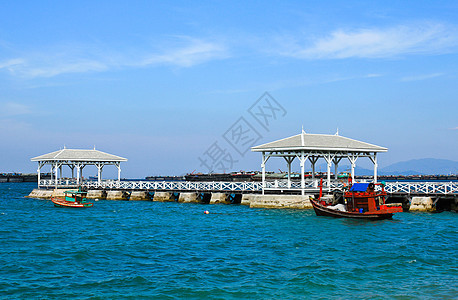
(120, 249)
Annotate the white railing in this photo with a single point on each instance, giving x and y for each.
(163, 185)
(444, 188)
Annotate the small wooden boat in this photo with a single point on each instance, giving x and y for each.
(76, 199)
(362, 201)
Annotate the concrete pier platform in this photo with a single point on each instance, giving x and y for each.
(117, 195)
(189, 198)
(140, 196)
(220, 198)
(281, 201)
(163, 197)
(40, 194)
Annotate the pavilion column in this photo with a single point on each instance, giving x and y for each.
(38, 175)
(374, 160)
(289, 160)
(72, 167)
(352, 160)
(40, 165)
(336, 167)
(55, 172)
(78, 172)
(313, 161)
(263, 167)
(99, 173)
(289, 174)
(302, 173)
(328, 159)
(119, 172)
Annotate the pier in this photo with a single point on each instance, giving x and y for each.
(281, 193)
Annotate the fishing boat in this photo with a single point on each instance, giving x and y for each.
(361, 201)
(76, 199)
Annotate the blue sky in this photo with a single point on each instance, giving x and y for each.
(160, 82)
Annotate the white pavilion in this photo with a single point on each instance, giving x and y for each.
(77, 159)
(312, 147)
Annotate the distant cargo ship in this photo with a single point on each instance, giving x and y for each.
(19, 177)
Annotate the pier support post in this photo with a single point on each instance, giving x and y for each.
(117, 195)
(219, 198)
(163, 197)
(188, 198)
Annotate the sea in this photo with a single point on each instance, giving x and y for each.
(154, 250)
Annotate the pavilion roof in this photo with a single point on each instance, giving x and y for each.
(323, 142)
(83, 155)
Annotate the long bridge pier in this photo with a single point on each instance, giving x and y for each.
(423, 196)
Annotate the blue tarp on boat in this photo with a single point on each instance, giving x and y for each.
(359, 187)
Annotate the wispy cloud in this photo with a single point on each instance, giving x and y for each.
(9, 109)
(196, 52)
(80, 59)
(421, 77)
(424, 38)
(456, 128)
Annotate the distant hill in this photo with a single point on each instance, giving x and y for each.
(424, 166)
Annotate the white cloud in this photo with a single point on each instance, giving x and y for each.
(196, 52)
(80, 59)
(11, 63)
(421, 77)
(425, 38)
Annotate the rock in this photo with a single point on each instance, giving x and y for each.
(220, 198)
(163, 197)
(421, 204)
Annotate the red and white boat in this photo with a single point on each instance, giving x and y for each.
(75, 199)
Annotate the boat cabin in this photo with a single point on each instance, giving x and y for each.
(362, 197)
(75, 196)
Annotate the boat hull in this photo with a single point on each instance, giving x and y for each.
(320, 210)
(58, 202)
